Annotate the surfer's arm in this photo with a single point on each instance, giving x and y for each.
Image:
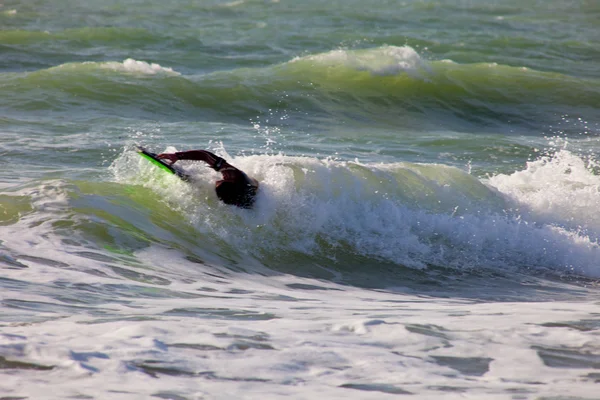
(213, 161)
(229, 172)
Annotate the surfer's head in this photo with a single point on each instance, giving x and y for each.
(237, 194)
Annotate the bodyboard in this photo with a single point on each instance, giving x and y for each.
(162, 164)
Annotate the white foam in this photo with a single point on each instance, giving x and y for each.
(408, 214)
(102, 335)
(561, 189)
(320, 341)
(140, 67)
(235, 3)
(385, 60)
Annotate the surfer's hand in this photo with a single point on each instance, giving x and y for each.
(168, 156)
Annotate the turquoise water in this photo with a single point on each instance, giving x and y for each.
(427, 220)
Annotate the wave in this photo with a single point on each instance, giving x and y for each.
(350, 216)
(384, 61)
(383, 84)
(325, 218)
(131, 65)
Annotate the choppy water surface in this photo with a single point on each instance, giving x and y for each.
(426, 227)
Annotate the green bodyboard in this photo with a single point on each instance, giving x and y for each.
(148, 155)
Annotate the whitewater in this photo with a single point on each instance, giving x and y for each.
(426, 224)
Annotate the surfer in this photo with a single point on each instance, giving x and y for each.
(235, 188)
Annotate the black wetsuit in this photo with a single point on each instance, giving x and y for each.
(235, 188)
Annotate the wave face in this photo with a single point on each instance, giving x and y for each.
(360, 223)
(388, 85)
(426, 222)
(349, 216)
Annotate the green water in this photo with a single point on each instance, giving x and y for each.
(485, 87)
(481, 86)
(380, 68)
(426, 221)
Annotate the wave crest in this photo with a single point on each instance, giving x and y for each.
(416, 215)
(141, 67)
(382, 61)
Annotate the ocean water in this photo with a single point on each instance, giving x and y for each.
(427, 224)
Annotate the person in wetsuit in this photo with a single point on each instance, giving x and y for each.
(235, 188)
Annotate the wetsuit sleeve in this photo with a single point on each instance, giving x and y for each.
(229, 172)
(213, 161)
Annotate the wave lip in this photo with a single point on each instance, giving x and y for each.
(141, 67)
(561, 190)
(382, 61)
(354, 216)
(79, 71)
(378, 84)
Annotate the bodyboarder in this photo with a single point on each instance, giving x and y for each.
(236, 188)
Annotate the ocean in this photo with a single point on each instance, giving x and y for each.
(426, 227)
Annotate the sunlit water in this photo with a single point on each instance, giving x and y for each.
(426, 224)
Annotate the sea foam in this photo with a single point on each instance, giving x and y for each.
(383, 61)
(560, 189)
(140, 67)
(415, 215)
